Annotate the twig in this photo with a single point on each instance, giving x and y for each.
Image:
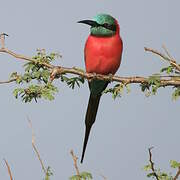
(9, 169)
(75, 163)
(152, 163)
(22, 57)
(171, 61)
(177, 174)
(8, 81)
(34, 147)
(167, 52)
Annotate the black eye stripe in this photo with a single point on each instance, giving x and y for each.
(111, 27)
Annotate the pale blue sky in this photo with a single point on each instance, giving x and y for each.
(125, 128)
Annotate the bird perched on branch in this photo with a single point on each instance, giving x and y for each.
(102, 53)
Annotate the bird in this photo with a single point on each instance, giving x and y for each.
(102, 55)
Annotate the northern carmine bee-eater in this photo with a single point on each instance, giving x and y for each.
(102, 53)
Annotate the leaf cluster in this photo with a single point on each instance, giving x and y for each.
(154, 82)
(48, 173)
(161, 175)
(152, 85)
(35, 92)
(117, 90)
(175, 75)
(73, 81)
(36, 79)
(82, 176)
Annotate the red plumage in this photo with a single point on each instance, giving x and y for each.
(103, 54)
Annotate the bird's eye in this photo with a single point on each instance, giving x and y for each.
(106, 24)
(109, 26)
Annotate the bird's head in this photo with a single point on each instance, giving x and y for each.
(102, 25)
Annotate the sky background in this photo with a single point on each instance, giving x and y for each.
(124, 128)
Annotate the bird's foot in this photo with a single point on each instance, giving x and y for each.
(110, 77)
(94, 76)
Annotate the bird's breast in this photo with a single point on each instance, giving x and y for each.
(103, 54)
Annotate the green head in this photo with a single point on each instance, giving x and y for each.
(102, 25)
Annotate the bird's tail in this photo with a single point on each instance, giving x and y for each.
(90, 118)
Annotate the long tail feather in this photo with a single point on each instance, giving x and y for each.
(90, 119)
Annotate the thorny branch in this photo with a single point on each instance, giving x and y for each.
(153, 169)
(152, 163)
(58, 70)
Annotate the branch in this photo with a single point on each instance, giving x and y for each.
(170, 59)
(59, 70)
(34, 147)
(177, 174)
(8, 81)
(167, 52)
(9, 169)
(164, 81)
(56, 71)
(22, 57)
(152, 163)
(75, 163)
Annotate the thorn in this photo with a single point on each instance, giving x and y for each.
(4, 34)
(2, 39)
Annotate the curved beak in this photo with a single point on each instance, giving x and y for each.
(89, 22)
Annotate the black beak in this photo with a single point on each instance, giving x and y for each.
(89, 22)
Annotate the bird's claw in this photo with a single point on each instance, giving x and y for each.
(110, 77)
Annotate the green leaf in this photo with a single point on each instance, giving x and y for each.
(144, 87)
(168, 70)
(27, 77)
(154, 79)
(13, 75)
(147, 167)
(29, 66)
(35, 92)
(116, 91)
(17, 91)
(128, 88)
(176, 93)
(150, 175)
(72, 82)
(48, 173)
(37, 74)
(174, 164)
(75, 177)
(86, 175)
(19, 79)
(82, 176)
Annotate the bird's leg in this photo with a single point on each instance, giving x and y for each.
(94, 76)
(110, 77)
